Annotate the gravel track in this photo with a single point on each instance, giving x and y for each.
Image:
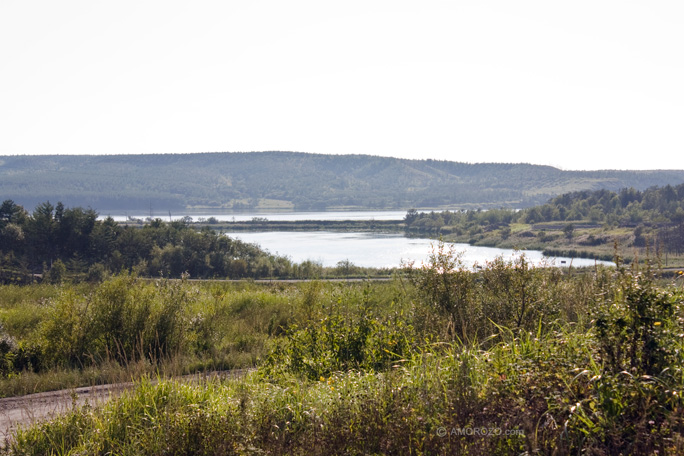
(23, 411)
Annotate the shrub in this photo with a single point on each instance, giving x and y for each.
(57, 272)
(339, 342)
(634, 404)
(635, 325)
(124, 319)
(447, 286)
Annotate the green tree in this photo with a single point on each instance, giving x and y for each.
(569, 230)
(42, 233)
(57, 273)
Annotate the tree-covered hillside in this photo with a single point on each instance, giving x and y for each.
(294, 180)
(584, 223)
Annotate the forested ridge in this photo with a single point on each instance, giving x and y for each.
(291, 180)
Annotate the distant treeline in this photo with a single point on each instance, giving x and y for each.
(58, 242)
(628, 206)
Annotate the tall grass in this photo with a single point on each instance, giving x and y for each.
(125, 323)
(520, 395)
(525, 361)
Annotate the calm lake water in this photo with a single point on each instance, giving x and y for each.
(375, 249)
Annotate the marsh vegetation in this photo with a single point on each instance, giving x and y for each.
(546, 360)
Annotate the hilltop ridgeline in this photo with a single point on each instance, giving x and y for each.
(290, 180)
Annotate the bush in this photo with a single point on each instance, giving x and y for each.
(447, 286)
(635, 325)
(339, 342)
(125, 319)
(96, 273)
(510, 293)
(8, 352)
(57, 272)
(634, 404)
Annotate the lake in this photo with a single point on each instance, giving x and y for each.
(376, 249)
(363, 249)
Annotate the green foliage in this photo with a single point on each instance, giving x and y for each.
(123, 320)
(515, 391)
(8, 349)
(373, 369)
(65, 331)
(448, 287)
(635, 325)
(569, 230)
(136, 324)
(509, 293)
(80, 247)
(96, 273)
(633, 400)
(336, 345)
(57, 272)
(346, 338)
(659, 208)
(131, 320)
(515, 294)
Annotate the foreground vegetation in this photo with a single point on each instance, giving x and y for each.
(56, 336)
(506, 360)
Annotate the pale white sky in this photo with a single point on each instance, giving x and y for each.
(575, 84)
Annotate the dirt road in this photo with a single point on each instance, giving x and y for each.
(29, 409)
(32, 408)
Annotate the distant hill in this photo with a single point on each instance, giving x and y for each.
(294, 180)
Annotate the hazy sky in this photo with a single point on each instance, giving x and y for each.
(574, 84)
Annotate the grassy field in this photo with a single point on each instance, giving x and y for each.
(508, 360)
(584, 240)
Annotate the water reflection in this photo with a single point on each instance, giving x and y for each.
(375, 249)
